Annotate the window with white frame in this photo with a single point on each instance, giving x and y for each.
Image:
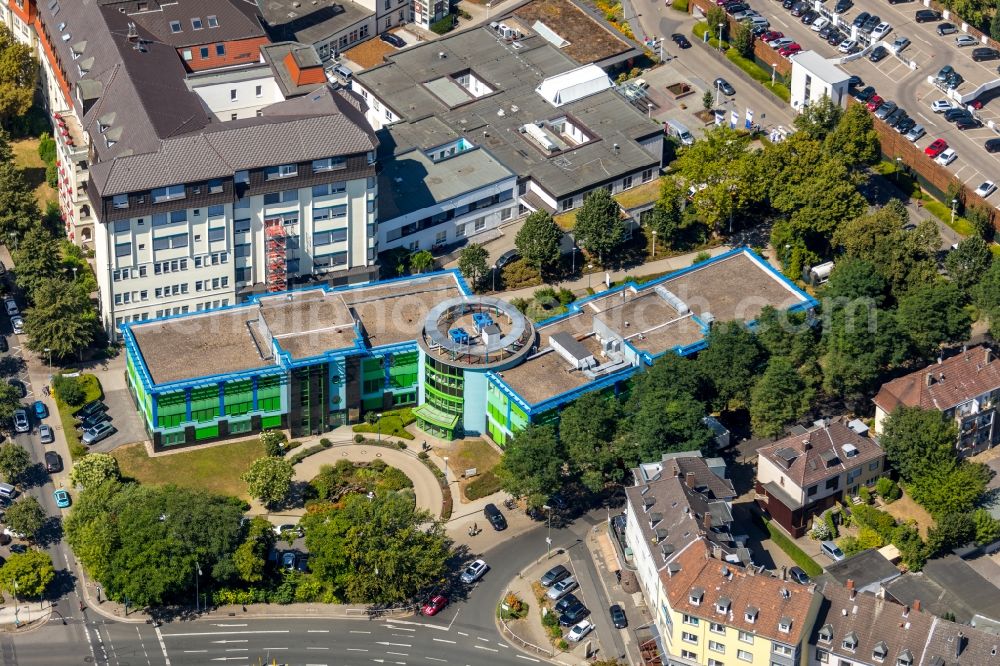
(743, 655)
(746, 637)
(717, 628)
(822, 656)
(280, 171)
(329, 164)
(120, 201)
(688, 654)
(168, 193)
(716, 646)
(690, 619)
(688, 637)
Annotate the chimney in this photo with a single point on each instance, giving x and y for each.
(707, 521)
(916, 605)
(959, 644)
(677, 470)
(850, 586)
(988, 355)
(806, 444)
(906, 611)
(689, 480)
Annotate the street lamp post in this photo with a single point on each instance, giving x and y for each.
(720, 36)
(548, 539)
(718, 93)
(654, 243)
(197, 602)
(575, 250)
(17, 610)
(49, 352)
(954, 202)
(589, 268)
(649, 110)
(774, 69)
(378, 426)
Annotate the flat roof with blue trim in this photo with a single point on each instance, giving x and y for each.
(633, 323)
(278, 330)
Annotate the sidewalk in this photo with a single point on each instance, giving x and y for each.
(24, 616)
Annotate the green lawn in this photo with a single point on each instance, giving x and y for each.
(216, 469)
(943, 213)
(392, 423)
(92, 391)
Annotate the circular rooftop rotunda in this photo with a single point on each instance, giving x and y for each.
(480, 332)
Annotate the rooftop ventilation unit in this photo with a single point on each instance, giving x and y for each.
(539, 135)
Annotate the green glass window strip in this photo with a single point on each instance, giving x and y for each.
(271, 422)
(173, 438)
(206, 433)
(237, 427)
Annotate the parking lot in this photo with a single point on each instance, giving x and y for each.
(904, 79)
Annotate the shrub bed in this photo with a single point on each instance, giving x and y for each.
(299, 456)
(485, 484)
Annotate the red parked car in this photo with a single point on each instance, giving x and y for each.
(791, 49)
(771, 35)
(936, 148)
(874, 103)
(434, 606)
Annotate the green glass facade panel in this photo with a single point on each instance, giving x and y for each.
(271, 422)
(205, 403)
(372, 403)
(173, 438)
(239, 397)
(171, 409)
(269, 394)
(237, 427)
(206, 432)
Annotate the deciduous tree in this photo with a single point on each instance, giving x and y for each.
(778, 398)
(27, 575)
(743, 40)
(986, 296)
(588, 431)
(538, 240)
(854, 139)
(933, 314)
(599, 227)
(853, 278)
(731, 363)
(36, 255)
(94, 469)
(674, 424)
(951, 489)
(968, 262)
(10, 400)
(917, 441)
(18, 206)
(379, 550)
(269, 479)
(472, 263)
(14, 461)
(18, 75)
(25, 516)
(819, 119)
(250, 557)
(987, 527)
(62, 321)
(422, 261)
(860, 342)
(532, 464)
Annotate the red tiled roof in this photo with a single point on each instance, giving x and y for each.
(945, 384)
(823, 457)
(770, 600)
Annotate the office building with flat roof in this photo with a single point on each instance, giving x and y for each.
(313, 359)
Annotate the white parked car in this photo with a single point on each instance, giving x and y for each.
(579, 630)
(986, 189)
(474, 572)
(966, 40)
(940, 106)
(17, 323)
(880, 31)
(820, 23)
(947, 157)
(847, 45)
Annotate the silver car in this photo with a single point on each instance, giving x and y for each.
(21, 423)
(98, 432)
(562, 588)
(46, 434)
(474, 572)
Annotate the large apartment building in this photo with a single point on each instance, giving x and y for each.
(197, 171)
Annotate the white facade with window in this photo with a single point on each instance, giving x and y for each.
(193, 259)
(234, 95)
(815, 77)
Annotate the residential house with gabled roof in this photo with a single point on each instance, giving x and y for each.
(860, 629)
(965, 388)
(805, 473)
(714, 613)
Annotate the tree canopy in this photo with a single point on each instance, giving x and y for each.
(379, 550)
(26, 516)
(62, 321)
(14, 461)
(968, 262)
(269, 479)
(779, 397)
(472, 264)
(94, 469)
(917, 441)
(532, 464)
(18, 76)
(588, 429)
(147, 542)
(36, 255)
(27, 574)
(933, 314)
(538, 240)
(731, 363)
(599, 227)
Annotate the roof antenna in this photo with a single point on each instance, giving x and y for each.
(133, 34)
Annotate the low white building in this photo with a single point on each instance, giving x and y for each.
(815, 77)
(443, 196)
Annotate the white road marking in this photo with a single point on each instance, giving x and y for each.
(229, 625)
(318, 631)
(483, 647)
(521, 656)
(436, 659)
(227, 633)
(237, 649)
(357, 649)
(398, 654)
(480, 638)
(163, 646)
(354, 631)
(274, 648)
(462, 633)
(393, 644)
(443, 640)
(229, 658)
(238, 640)
(317, 648)
(194, 651)
(391, 626)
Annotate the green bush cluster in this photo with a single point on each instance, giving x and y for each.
(485, 484)
(519, 274)
(445, 25)
(69, 390)
(298, 457)
(758, 74)
(831, 524)
(888, 490)
(680, 5)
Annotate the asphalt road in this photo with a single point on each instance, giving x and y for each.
(463, 633)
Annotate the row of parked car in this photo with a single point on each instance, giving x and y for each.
(94, 422)
(560, 584)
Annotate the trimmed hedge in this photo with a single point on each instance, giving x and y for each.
(485, 484)
(792, 550)
(680, 5)
(312, 450)
(447, 24)
(758, 74)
